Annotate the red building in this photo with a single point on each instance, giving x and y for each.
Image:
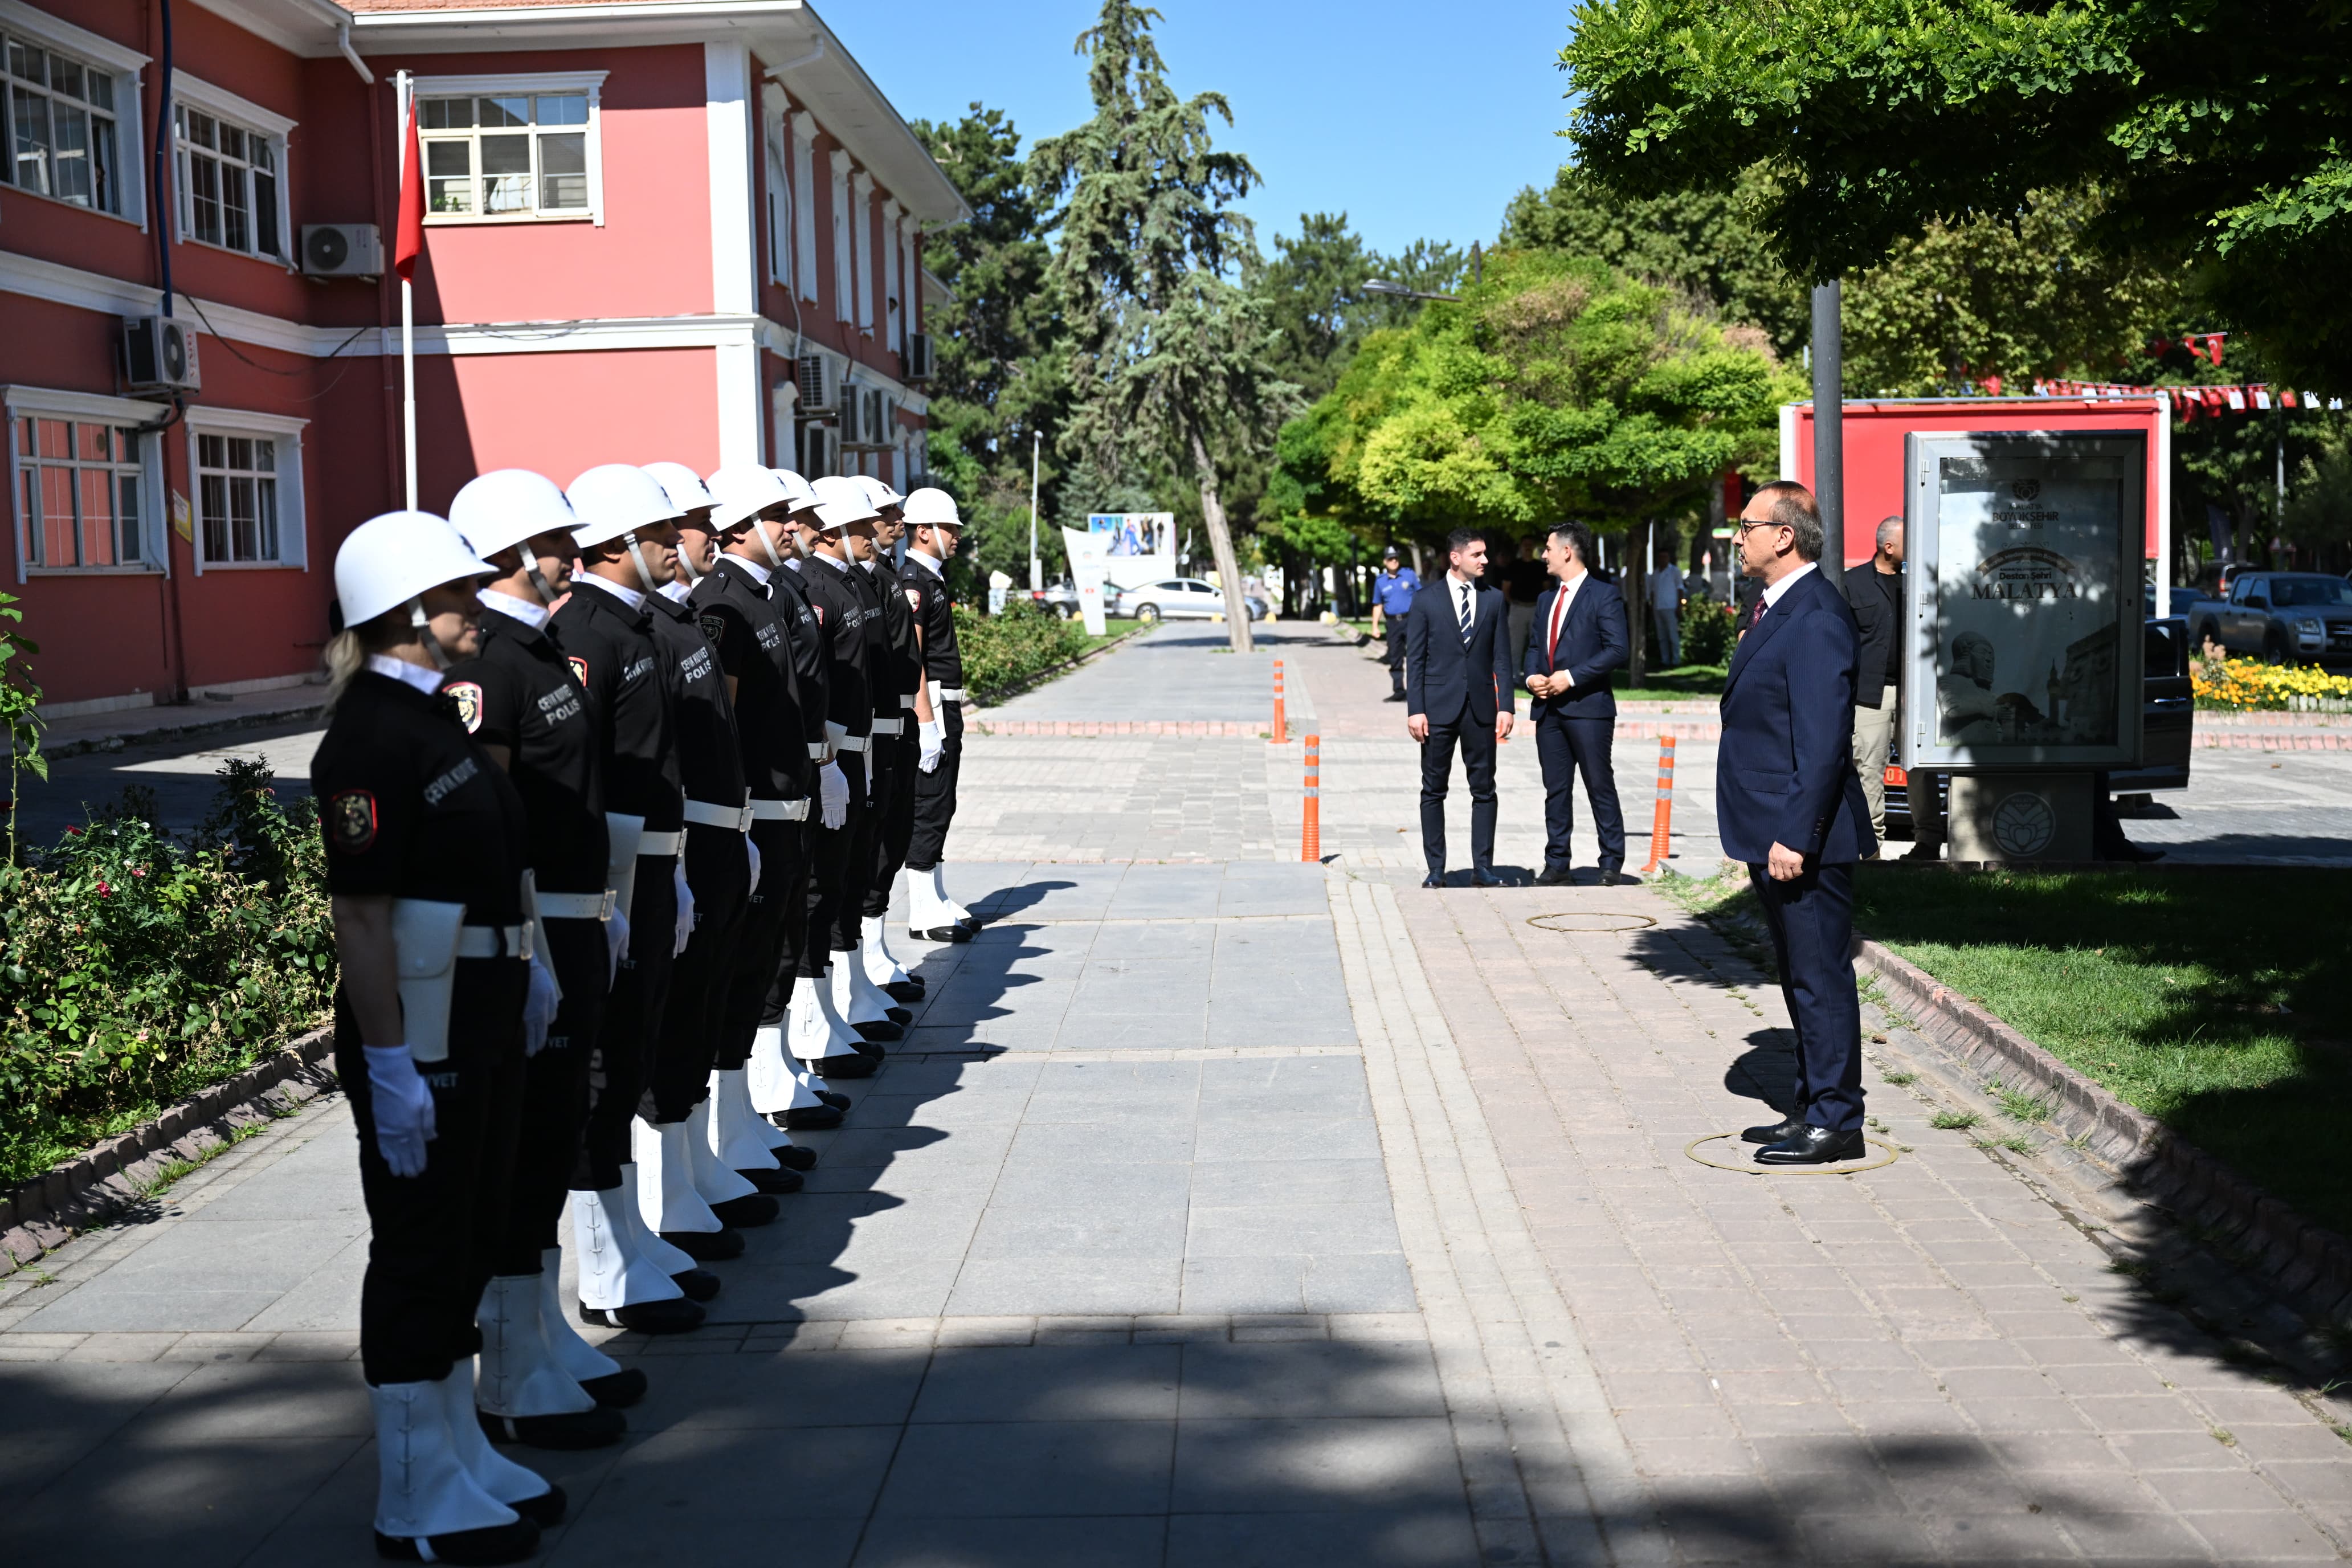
(656, 230)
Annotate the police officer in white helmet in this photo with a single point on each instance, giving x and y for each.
(426, 862)
(935, 530)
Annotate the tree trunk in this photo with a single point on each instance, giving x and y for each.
(1637, 595)
(1221, 542)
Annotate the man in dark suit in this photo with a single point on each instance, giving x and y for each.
(1459, 688)
(1789, 805)
(1578, 638)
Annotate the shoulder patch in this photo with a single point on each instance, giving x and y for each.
(351, 821)
(468, 695)
(713, 626)
(579, 668)
(820, 613)
(914, 598)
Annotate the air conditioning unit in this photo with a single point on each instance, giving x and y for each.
(820, 451)
(343, 250)
(919, 364)
(159, 355)
(820, 379)
(856, 416)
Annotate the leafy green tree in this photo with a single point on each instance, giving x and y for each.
(1168, 357)
(2213, 127)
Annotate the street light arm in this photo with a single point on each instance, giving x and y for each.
(1398, 290)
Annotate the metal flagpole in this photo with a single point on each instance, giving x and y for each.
(1036, 572)
(407, 309)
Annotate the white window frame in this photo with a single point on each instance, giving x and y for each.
(242, 114)
(861, 238)
(45, 403)
(893, 309)
(804, 135)
(518, 85)
(775, 160)
(108, 59)
(844, 277)
(293, 516)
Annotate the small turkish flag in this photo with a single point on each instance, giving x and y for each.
(411, 242)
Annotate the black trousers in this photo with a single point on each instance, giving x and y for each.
(1395, 626)
(831, 860)
(434, 1239)
(1477, 739)
(1812, 920)
(865, 829)
(555, 1094)
(1567, 747)
(935, 794)
(633, 1017)
(718, 874)
(775, 918)
(895, 773)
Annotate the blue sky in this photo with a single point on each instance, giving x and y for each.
(1416, 121)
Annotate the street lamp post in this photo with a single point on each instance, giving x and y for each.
(1036, 572)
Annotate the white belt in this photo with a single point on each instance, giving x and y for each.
(816, 751)
(659, 846)
(906, 700)
(946, 693)
(853, 743)
(494, 941)
(576, 905)
(735, 818)
(780, 810)
(888, 726)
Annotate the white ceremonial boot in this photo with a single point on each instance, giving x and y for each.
(768, 1077)
(621, 1284)
(862, 980)
(666, 1199)
(607, 1380)
(729, 1195)
(928, 917)
(423, 1490)
(857, 1000)
(526, 1491)
(525, 1395)
(939, 893)
(882, 966)
(736, 1129)
(642, 1238)
(822, 1041)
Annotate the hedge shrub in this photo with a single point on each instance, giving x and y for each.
(1001, 652)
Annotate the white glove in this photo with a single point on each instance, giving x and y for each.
(833, 796)
(539, 1004)
(934, 737)
(752, 850)
(616, 942)
(402, 1108)
(685, 907)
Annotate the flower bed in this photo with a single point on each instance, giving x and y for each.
(2244, 685)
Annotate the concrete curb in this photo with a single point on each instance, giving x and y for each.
(2304, 1259)
(116, 740)
(1032, 682)
(46, 1211)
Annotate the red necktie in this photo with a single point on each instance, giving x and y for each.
(1559, 614)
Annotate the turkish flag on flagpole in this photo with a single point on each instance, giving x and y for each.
(410, 244)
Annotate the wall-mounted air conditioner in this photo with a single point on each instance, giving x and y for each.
(820, 379)
(159, 355)
(920, 365)
(820, 451)
(343, 250)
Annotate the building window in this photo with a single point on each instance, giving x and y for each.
(228, 184)
(803, 131)
(509, 154)
(60, 127)
(237, 499)
(82, 492)
(844, 287)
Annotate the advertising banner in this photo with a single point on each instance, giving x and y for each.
(2023, 600)
(1089, 564)
(1137, 546)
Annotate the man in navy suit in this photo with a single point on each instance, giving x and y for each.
(1459, 688)
(1788, 803)
(1579, 637)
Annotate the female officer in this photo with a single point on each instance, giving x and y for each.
(425, 856)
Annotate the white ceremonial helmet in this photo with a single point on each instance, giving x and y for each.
(394, 560)
(878, 491)
(841, 500)
(931, 508)
(613, 501)
(502, 508)
(742, 491)
(682, 485)
(804, 496)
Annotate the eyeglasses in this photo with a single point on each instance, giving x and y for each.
(1742, 526)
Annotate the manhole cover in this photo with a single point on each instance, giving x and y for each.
(1592, 921)
(1738, 1158)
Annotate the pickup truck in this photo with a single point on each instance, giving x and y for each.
(2286, 617)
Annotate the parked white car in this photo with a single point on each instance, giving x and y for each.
(1180, 599)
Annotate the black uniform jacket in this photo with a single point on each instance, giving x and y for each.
(610, 649)
(709, 756)
(748, 629)
(410, 806)
(926, 595)
(841, 614)
(520, 694)
(810, 663)
(902, 656)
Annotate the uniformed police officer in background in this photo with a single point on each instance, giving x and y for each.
(877, 975)
(523, 706)
(937, 530)
(872, 1015)
(629, 1278)
(437, 1006)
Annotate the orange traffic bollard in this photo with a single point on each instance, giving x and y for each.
(1666, 812)
(1311, 817)
(1281, 733)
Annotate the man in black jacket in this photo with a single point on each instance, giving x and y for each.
(1874, 592)
(1579, 638)
(1460, 689)
(938, 530)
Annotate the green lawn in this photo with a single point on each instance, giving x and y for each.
(2215, 999)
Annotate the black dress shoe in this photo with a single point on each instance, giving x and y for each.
(750, 1211)
(1812, 1146)
(1778, 1133)
(1435, 879)
(808, 1118)
(880, 1029)
(795, 1159)
(898, 1016)
(1555, 877)
(494, 1544)
(699, 1284)
(910, 990)
(1613, 876)
(616, 1390)
(592, 1429)
(546, 1509)
(831, 1096)
(1394, 696)
(1486, 880)
(849, 1063)
(774, 1180)
(707, 1246)
(672, 1315)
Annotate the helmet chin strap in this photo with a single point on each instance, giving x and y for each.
(768, 544)
(433, 649)
(538, 582)
(638, 555)
(685, 564)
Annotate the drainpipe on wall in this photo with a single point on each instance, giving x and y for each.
(163, 211)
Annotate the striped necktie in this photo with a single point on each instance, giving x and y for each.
(1463, 589)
